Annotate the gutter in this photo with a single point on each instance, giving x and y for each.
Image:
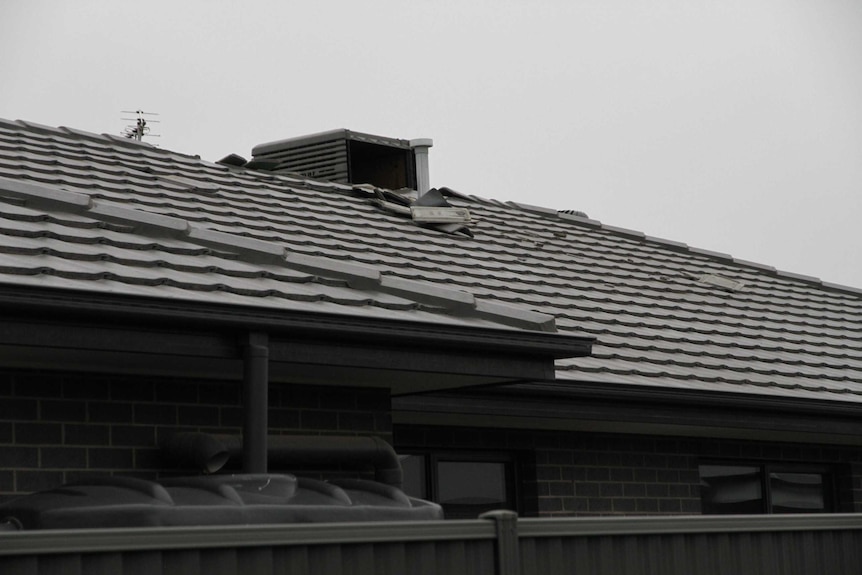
(340, 327)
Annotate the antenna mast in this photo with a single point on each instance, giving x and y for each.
(140, 128)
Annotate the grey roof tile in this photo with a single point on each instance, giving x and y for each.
(657, 325)
(104, 247)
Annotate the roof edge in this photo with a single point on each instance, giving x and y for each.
(298, 323)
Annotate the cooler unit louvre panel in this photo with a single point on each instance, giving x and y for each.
(345, 157)
(325, 160)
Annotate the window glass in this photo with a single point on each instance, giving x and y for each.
(471, 482)
(466, 484)
(797, 493)
(415, 484)
(731, 489)
(764, 488)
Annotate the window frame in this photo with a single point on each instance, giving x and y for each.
(767, 468)
(433, 457)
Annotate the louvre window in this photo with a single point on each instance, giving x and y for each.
(764, 488)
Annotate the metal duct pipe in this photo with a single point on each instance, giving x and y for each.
(255, 402)
(423, 173)
(210, 452)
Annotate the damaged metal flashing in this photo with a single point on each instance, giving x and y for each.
(428, 210)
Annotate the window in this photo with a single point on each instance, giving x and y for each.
(765, 488)
(464, 484)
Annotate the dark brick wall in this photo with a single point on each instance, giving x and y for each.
(56, 428)
(583, 474)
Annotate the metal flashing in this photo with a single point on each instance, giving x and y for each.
(441, 215)
(429, 209)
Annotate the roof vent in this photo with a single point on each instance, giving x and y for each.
(351, 157)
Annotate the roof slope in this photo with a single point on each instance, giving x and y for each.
(663, 314)
(53, 237)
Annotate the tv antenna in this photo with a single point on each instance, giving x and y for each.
(141, 127)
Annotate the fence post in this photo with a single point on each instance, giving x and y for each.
(508, 557)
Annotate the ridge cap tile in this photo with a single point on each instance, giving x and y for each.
(234, 242)
(516, 316)
(78, 132)
(42, 193)
(534, 209)
(759, 266)
(801, 277)
(710, 253)
(624, 231)
(38, 127)
(431, 292)
(666, 242)
(579, 219)
(108, 210)
(358, 275)
(841, 287)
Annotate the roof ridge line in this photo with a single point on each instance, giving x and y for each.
(358, 276)
(103, 137)
(81, 133)
(683, 247)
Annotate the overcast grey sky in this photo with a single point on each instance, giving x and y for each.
(730, 125)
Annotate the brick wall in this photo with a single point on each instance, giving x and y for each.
(583, 474)
(56, 428)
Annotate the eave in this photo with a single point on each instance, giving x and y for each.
(183, 338)
(607, 408)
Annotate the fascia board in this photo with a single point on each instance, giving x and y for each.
(402, 333)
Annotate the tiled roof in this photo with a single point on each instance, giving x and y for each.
(664, 314)
(53, 237)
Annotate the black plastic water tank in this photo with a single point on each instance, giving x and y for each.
(212, 500)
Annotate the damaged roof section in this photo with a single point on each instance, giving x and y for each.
(428, 210)
(51, 237)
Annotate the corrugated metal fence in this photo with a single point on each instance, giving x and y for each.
(498, 543)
